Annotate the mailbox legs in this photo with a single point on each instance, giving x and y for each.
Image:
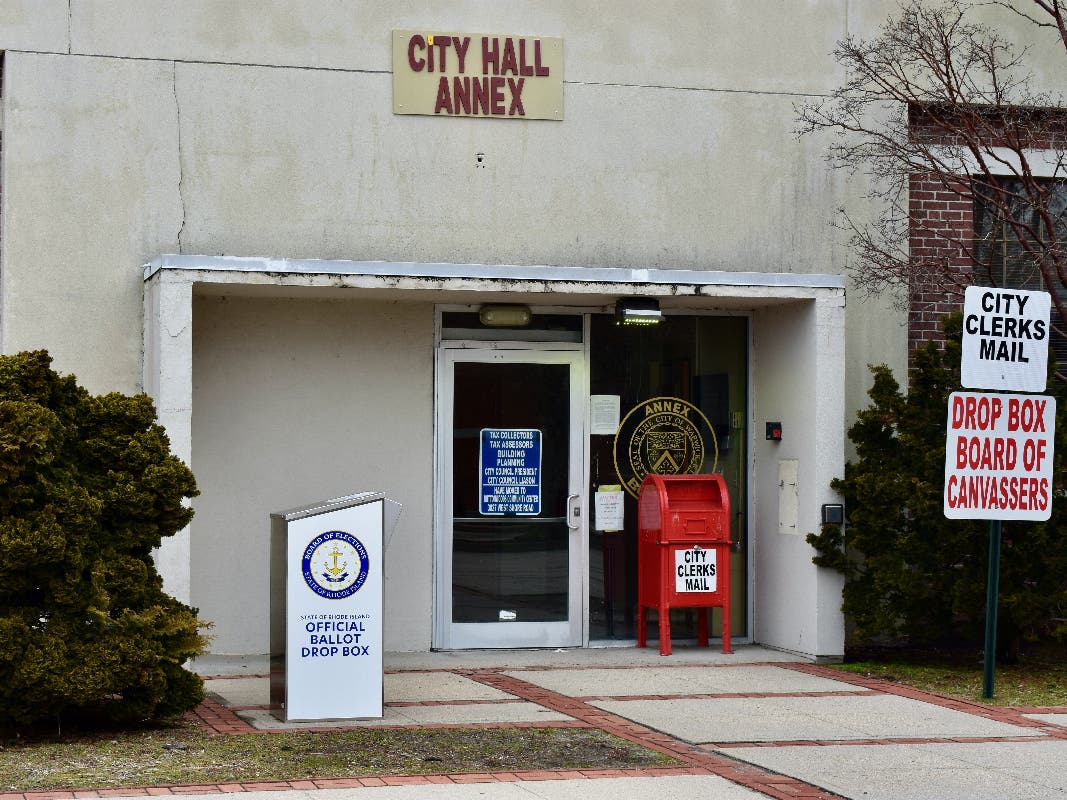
(726, 646)
(703, 637)
(664, 631)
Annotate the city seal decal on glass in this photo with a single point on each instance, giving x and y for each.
(335, 565)
(663, 436)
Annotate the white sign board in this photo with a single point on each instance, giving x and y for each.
(604, 414)
(1005, 339)
(695, 570)
(334, 614)
(998, 456)
(610, 508)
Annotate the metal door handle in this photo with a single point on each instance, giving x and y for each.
(574, 511)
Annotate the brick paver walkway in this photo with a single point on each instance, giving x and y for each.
(696, 760)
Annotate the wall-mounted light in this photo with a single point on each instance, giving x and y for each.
(505, 316)
(774, 431)
(638, 311)
(833, 514)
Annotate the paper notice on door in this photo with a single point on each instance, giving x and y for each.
(604, 414)
(609, 508)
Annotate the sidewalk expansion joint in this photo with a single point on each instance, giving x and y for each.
(750, 776)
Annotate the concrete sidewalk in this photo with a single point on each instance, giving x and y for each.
(757, 723)
(754, 724)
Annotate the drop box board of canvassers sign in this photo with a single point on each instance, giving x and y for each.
(998, 456)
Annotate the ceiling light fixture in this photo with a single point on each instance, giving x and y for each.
(637, 311)
(505, 316)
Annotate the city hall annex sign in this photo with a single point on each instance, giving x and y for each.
(477, 75)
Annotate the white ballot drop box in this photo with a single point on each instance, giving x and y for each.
(326, 608)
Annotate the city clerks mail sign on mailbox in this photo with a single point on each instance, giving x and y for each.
(477, 75)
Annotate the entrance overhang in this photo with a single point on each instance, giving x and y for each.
(426, 281)
(798, 341)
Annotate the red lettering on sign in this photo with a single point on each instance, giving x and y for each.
(1034, 452)
(461, 51)
(444, 97)
(539, 71)
(441, 43)
(480, 96)
(975, 413)
(415, 63)
(490, 55)
(1027, 415)
(496, 93)
(461, 94)
(507, 60)
(516, 97)
(980, 452)
(525, 69)
(988, 493)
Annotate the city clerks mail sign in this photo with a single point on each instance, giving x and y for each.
(1005, 341)
(477, 75)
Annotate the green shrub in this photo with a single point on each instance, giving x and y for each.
(88, 488)
(912, 574)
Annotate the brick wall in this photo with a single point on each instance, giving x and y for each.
(942, 214)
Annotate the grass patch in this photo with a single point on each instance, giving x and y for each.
(1039, 678)
(183, 753)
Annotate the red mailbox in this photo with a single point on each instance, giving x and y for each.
(683, 552)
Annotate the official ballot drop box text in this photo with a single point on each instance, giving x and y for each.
(326, 608)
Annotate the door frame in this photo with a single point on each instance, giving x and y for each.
(573, 633)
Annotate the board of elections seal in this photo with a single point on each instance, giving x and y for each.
(335, 565)
(663, 436)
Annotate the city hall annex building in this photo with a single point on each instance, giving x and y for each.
(343, 243)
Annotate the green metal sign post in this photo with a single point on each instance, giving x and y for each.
(991, 591)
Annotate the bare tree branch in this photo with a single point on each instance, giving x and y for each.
(937, 112)
(1053, 13)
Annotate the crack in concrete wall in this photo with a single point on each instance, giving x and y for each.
(181, 167)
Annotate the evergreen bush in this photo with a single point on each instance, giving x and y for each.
(88, 488)
(911, 574)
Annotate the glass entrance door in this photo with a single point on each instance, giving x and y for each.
(511, 536)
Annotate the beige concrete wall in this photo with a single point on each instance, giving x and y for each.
(42, 25)
(685, 43)
(296, 401)
(173, 129)
(795, 347)
(603, 188)
(90, 179)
